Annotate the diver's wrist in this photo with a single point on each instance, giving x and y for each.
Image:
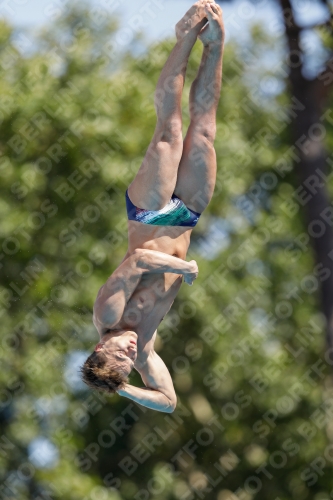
(123, 391)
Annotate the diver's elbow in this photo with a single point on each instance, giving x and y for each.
(172, 406)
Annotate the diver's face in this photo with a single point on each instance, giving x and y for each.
(121, 350)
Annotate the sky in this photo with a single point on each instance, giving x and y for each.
(158, 17)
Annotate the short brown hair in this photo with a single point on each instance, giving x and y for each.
(98, 376)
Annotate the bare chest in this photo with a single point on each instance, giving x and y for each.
(150, 302)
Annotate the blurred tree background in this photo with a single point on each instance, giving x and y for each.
(245, 346)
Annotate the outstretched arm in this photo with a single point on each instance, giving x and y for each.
(159, 393)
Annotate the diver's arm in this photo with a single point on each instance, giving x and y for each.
(152, 262)
(159, 393)
(150, 398)
(115, 293)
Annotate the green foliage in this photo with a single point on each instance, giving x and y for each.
(245, 345)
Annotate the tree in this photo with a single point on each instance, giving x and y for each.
(311, 159)
(246, 360)
(313, 163)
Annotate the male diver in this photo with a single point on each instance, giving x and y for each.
(173, 186)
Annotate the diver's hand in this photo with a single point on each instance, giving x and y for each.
(192, 273)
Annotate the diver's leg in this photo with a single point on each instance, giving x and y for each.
(154, 184)
(197, 170)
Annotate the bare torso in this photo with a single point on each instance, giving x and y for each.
(155, 293)
(171, 240)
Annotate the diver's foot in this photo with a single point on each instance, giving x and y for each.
(213, 33)
(193, 21)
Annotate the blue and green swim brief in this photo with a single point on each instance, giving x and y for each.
(175, 213)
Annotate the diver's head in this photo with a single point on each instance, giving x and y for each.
(108, 367)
